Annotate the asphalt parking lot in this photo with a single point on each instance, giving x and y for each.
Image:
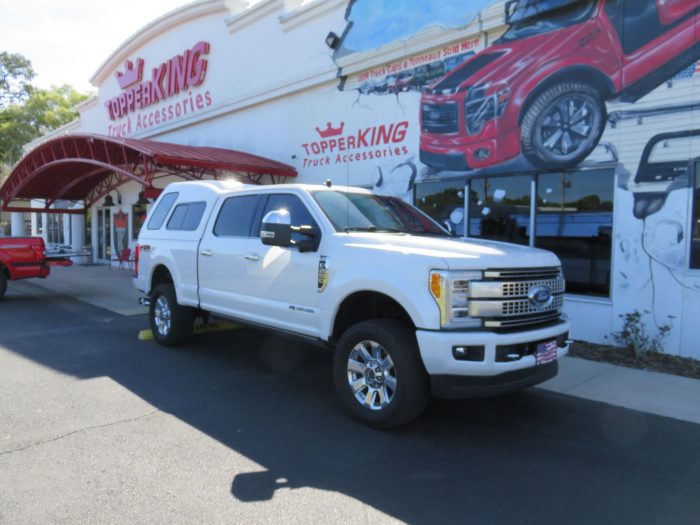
(241, 427)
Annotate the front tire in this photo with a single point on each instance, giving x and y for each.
(563, 125)
(3, 284)
(379, 375)
(170, 322)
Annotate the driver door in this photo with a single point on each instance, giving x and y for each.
(282, 283)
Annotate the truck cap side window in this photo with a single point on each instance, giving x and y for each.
(236, 216)
(186, 216)
(161, 211)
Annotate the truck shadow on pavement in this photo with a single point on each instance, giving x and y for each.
(531, 456)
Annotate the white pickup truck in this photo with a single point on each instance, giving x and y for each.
(407, 309)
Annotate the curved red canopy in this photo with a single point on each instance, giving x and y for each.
(84, 167)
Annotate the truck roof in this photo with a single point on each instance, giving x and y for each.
(226, 186)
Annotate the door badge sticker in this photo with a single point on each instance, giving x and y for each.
(322, 273)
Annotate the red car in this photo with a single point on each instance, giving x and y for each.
(25, 257)
(541, 88)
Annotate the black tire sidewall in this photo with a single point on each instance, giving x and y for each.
(3, 284)
(181, 317)
(412, 388)
(533, 117)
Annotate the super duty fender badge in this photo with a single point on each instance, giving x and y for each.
(322, 273)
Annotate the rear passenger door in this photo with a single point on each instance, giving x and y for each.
(224, 254)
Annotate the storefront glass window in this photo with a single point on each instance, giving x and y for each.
(444, 202)
(54, 232)
(695, 239)
(499, 208)
(574, 220)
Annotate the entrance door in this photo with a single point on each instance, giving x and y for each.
(104, 234)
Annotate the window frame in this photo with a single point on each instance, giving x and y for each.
(166, 216)
(255, 219)
(187, 204)
(694, 177)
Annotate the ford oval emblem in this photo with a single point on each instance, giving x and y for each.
(434, 115)
(540, 296)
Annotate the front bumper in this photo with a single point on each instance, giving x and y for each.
(453, 377)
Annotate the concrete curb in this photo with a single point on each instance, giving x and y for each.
(652, 392)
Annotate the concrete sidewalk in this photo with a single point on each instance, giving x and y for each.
(652, 392)
(96, 285)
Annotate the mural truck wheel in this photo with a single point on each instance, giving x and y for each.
(563, 125)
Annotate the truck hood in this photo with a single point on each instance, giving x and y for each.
(505, 61)
(455, 254)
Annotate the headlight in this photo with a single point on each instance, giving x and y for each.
(480, 107)
(451, 293)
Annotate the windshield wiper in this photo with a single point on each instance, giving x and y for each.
(372, 229)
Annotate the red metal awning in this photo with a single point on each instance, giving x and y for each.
(85, 168)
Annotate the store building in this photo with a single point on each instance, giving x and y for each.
(571, 125)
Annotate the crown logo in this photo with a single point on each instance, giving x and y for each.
(330, 131)
(131, 74)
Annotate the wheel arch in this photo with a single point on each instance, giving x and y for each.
(583, 74)
(364, 305)
(4, 270)
(161, 275)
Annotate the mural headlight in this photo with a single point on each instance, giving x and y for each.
(480, 107)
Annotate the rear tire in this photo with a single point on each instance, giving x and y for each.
(170, 322)
(3, 284)
(379, 374)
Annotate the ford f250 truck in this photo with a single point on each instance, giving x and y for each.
(408, 310)
(24, 258)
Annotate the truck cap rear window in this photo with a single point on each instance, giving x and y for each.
(161, 212)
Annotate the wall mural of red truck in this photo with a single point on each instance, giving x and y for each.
(540, 89)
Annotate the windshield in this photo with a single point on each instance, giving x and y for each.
(365, 212)
(528, 18)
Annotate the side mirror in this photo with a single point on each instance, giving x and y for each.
(276, 229)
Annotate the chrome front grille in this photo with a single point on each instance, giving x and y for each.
(498, 289)
(507, 298)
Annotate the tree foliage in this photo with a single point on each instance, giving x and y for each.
(16, 74)
(27, 112)
(43, 111)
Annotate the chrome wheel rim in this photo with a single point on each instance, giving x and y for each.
(162, 315)
(568, 126)
(371, 375)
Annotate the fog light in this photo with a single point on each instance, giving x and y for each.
(468, 353)
(482, 154)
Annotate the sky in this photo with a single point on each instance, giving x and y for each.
(378, 22)
(68, 40)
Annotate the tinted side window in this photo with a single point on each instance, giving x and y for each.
(161, 211)
(186, 216)
(298, 212)
(236, 216)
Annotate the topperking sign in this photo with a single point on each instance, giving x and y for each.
(169, 94)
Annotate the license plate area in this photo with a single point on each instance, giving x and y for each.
(546, 352)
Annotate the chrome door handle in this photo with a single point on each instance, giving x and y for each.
(252, 257)
(206, 253)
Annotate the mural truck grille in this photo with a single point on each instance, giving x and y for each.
(440, 118)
